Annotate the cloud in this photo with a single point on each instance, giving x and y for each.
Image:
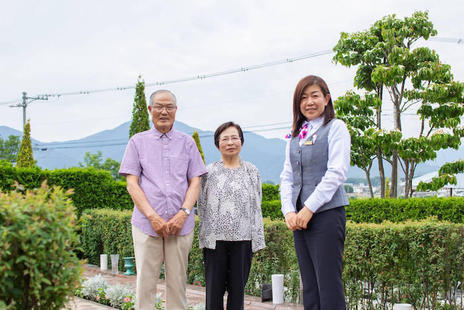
(61, 46)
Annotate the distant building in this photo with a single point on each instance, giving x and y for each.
(447, 191)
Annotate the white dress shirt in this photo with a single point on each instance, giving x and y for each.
(339, 141)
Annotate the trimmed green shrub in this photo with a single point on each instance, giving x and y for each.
(399, 210)
(92, 188)
(109, 231)
(106, 231)
(38, 264)
(270, 192)
(383, 263)
(377, 210)
(418, 263)
(272, 209)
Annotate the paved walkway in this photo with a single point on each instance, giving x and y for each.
(195, 294)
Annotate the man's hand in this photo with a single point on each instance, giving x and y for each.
(290, 220)
(303, 217)
(176, 223)
(160, 226)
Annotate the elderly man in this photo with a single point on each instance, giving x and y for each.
(163, 169)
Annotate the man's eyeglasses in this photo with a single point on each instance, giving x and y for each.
(159, 107)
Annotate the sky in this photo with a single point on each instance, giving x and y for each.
(56, 46)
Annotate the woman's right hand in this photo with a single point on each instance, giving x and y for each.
(290, 220)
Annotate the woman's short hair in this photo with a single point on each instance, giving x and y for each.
(223, 127)
(298, 117)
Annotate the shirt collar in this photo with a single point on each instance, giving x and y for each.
(159, 135)
(316, 122)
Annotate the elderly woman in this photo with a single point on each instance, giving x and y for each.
(231, 223)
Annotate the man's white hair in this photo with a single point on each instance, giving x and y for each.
(161, 91)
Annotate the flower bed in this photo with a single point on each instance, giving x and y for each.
(118, 296)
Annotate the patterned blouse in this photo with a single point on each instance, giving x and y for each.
(229, 206)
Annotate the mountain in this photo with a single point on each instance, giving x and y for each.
(267, 154)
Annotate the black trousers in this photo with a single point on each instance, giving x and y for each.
(226, 269)
(319, 250)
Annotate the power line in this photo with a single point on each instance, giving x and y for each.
(210, 75)
(9, 102)
(187, 79)
(448, 40)
(117, 142)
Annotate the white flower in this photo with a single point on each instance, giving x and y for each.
(117, 293)
(90, 286)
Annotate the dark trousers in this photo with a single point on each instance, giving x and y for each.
(226, 269)
(319, 250)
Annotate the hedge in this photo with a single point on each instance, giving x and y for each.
(377, 210)
(109, 231)
(383, 263)
(93, 188)
(414, 262)
(272, 209)
(270, 192)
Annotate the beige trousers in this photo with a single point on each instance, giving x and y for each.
(150, 253)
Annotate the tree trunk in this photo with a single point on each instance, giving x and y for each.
(394, 176)
(368, 177)
(397, 123)
(406, 179)
(381, 173)
(410, 174)
(379, 149)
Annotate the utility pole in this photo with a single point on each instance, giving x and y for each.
(26, 101)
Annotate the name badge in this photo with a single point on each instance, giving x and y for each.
(311, 140)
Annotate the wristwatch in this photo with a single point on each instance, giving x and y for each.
(187, 211)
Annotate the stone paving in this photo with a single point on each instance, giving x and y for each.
(195, 294)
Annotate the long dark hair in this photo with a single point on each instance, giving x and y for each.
(298, 117)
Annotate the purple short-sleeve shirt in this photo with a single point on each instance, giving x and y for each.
(164, 163)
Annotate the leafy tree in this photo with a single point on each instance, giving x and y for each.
(25, 157)
(9, 148)
(140, 119)
(196, 137)
(358, 113)
(95, 161)
(446, 175)
(416, 82)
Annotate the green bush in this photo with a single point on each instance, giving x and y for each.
(399, 210)
(92, 188)
(272, 209)
(106, 231)
(270, 192)
(383, 263)
(38, 265)
(413, 262)
(109, 231)
(394, 210)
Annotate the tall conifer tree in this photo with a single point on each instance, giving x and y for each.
(140, 119)
(25, 158)
(196, 137)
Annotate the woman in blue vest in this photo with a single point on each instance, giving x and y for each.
(313, 198)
